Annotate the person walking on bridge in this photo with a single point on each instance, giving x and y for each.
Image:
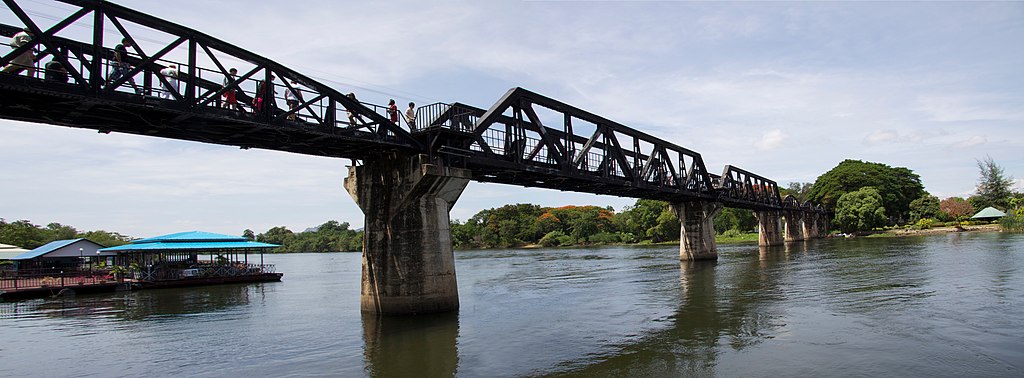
(393, 111)
(410, 116)
(230, 99)
(171, 73)
(121, 66)
(353, 116)
(293, 97)
(27, 59)
(265, 94)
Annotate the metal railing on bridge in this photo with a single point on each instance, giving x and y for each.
(165, 66)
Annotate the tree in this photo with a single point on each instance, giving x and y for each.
(249, 234)
(735, 219)
(955, 208)
(277, 235)
(798, 190)
(927, 206)
(642, 217)
(107, 239)
(993, 186)
(898, 186)
(861, 210)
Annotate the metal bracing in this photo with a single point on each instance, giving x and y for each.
(524, 139)
(510, 143)
(134, 96)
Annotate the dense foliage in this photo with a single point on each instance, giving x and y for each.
(925, 207)
(528, 224)
(993, 186)
(26, 235)
(897, 186)
(1014, 219)
(799, 190)
(955, 208)
(861, 210)
(328, 237)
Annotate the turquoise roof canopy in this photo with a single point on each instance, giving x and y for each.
(191, 240)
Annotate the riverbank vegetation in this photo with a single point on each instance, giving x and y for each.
(647, 221)
(24, 234)
(870, 196)
(865, 197)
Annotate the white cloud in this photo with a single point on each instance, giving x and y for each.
(881, 136)
(771, 140)
(975, 140)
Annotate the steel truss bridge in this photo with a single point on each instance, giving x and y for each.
(524, 139)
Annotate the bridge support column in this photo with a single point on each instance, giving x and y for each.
(769, 228)
(697, 229)
(408, 263)
(811, 227)
(794, 225)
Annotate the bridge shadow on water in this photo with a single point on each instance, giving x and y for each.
(411, 346)
(723, 305)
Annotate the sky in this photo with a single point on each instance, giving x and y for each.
(783, 89)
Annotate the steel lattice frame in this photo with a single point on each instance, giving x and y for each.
(95, 99)
(508, 143)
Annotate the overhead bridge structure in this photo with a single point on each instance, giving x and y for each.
(170, 81)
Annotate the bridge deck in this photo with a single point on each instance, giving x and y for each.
(524, 139)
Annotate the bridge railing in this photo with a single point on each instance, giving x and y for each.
(514, 131)
(202, 65)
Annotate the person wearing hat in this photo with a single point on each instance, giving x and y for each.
(27, 59)
(171, 73)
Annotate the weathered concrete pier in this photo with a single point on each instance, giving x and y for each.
(408, 263)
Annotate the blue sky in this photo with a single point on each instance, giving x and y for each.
(786, 90)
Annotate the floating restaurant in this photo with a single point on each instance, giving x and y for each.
(177, 259)
(183, 259)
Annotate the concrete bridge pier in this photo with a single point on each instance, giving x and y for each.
(769, 228)
(408, 263)
(810, 227)
(793, 227)
(697, 229)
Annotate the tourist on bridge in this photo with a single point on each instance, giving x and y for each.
(171, 73)
(410, 116)
(293, 97)
(230, 99)
(265, 96)
(27, 59)
(121, 66)
(55, 72)
(352, 116)
(393, 111)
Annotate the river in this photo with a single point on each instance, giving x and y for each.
(943, 305)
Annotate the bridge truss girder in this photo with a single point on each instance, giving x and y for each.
(326, 123)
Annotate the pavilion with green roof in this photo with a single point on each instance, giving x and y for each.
(989, 214)
(180, 256)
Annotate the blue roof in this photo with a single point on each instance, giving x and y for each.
(191, 236)
(192, 240)
(44, 249)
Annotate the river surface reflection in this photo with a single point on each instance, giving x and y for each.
(946, 305)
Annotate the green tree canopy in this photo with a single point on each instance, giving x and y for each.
(861, 210)
(24, 234)
(798, 190)
(898, 186)
(993, 186)
(927, 206)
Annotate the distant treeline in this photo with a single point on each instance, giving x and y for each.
(328, 237)
(526, 224)
(24, 234)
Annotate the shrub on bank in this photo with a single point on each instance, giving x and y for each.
(924, 224)
(1013, 222)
